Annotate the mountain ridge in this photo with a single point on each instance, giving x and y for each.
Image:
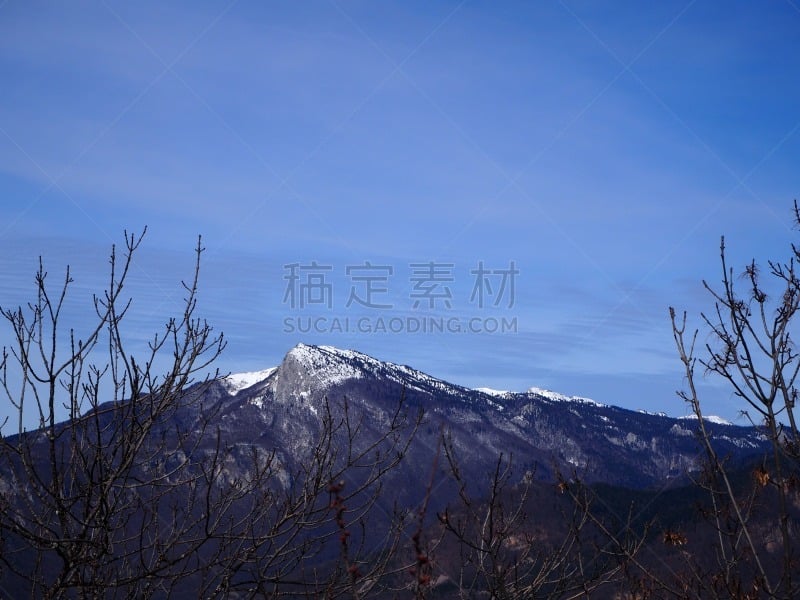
(545, 431)
(395, 441)
(321, 356)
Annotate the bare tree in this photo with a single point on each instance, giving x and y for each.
(752, 349)
(72, 492)
(138, 494)
(325, 535)
(504, 552)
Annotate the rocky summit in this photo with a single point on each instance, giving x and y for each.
(542, 431)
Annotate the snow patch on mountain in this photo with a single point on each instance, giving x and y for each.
(343, 353)
(710, 419)
(655, 414)
(492, 392)
(332, 364)
(239, 381)
(555, 396)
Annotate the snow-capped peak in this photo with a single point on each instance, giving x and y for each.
(710, 419)
(331, 365)
(492, 392)
(309, 354)
(238, 381)
(550, 395)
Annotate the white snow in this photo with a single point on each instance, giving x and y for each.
(341, 351)
(238, 381)
(647, 412)
(550, 395)
(492, 392)
(327, 361)
(678, 430)
(741, 443)
(334, 366)
(585, 400)
(710, 419)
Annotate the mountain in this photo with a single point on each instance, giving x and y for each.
(543, 431)
(331, 469)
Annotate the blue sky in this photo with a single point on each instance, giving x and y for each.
(602, 149)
